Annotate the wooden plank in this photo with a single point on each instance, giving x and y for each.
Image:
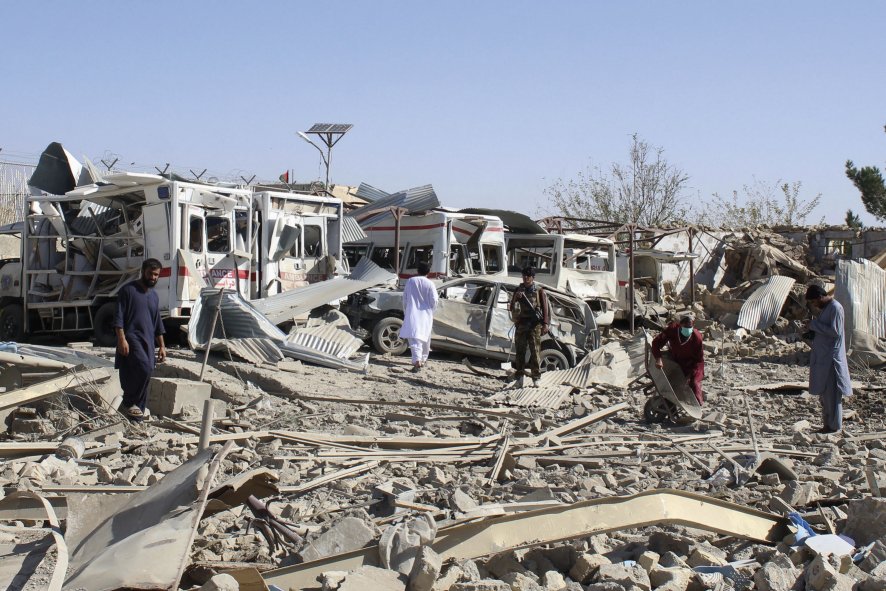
(581, 423)
(327, 478)
(42, 390)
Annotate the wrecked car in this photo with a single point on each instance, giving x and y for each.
(472, 317)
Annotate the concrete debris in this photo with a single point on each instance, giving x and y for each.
(379, 478)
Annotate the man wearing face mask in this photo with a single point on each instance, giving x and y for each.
(685, 345)
(828, 368)
(139, 329)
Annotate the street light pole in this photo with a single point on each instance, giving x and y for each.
(329, 134)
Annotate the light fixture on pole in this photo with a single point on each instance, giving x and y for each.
(329, 134)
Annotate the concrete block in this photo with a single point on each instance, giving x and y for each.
(167, 396)
(221, 583)
(372, 578)
(586, 566)
(553, 581)
(520, 582)
(627, 576)
(821, 575)
(673, 579)
(425, 570)
(348, 534)
(779, 574)
(707, 555)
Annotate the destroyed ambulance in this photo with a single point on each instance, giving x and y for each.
(453, 244)
(576, 263)
(85, 235)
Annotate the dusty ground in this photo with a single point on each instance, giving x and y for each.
(618, 456)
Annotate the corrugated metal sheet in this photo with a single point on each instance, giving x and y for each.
(412, 200)
(238, 319)
(544, 397)
(615, 364)
(761, 310)
(332, 340)
(370, 193)
(285, 306)
(256, 351)
(861, 289)
(351, 230)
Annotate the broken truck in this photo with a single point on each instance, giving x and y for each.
(80, 247)
(576, 263)
(453, 244)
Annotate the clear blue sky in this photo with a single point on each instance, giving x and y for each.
(488, 101)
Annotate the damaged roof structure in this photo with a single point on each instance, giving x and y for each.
(281, 454)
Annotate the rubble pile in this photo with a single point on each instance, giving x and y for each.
(325, 464)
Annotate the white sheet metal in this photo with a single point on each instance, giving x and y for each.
(412, 200)
(289, 304)
(351, 230)
(615, 364)
(332, 340)
(761, 310)
(551, 397)
(253, 350)
(238, 319)
(861, 289)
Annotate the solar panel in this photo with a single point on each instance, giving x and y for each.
(330, 128)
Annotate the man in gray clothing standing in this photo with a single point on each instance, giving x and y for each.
(828, 368)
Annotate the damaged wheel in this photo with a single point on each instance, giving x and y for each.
(12, 322)
(103, 325)
(552, 360)
(657, 410)
(386, 337)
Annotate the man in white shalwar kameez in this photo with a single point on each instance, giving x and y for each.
(828, 367)
(419, 302)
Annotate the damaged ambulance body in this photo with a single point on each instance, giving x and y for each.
(80, 248)
(576, 263)
(298, 240)
(453, 244)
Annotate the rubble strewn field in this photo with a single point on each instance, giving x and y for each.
(335, 460)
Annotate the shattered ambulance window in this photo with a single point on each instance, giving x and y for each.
(538, 257)
(313, 241)
(458, 263)
(383, 256)
(492, 258)
(218, 234)
(420, 254)
(195, 240)
(354, 254)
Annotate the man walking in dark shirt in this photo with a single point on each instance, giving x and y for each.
(139, 328)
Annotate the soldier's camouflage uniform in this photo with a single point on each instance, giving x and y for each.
(528, 330)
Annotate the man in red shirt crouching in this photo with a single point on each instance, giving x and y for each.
(686, 349)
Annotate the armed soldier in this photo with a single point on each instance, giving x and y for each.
(531, 317)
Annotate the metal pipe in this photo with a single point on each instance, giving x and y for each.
(397, 216)
(206, 425)
(631, 277)
(221, 293)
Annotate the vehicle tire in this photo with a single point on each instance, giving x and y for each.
(386, 339)
(12, 322)
(103, 325)
(657, 410)
(552, 360)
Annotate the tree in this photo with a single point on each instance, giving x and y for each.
(646, 191)
(853, 220)
(869, 181)
(762, 204)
